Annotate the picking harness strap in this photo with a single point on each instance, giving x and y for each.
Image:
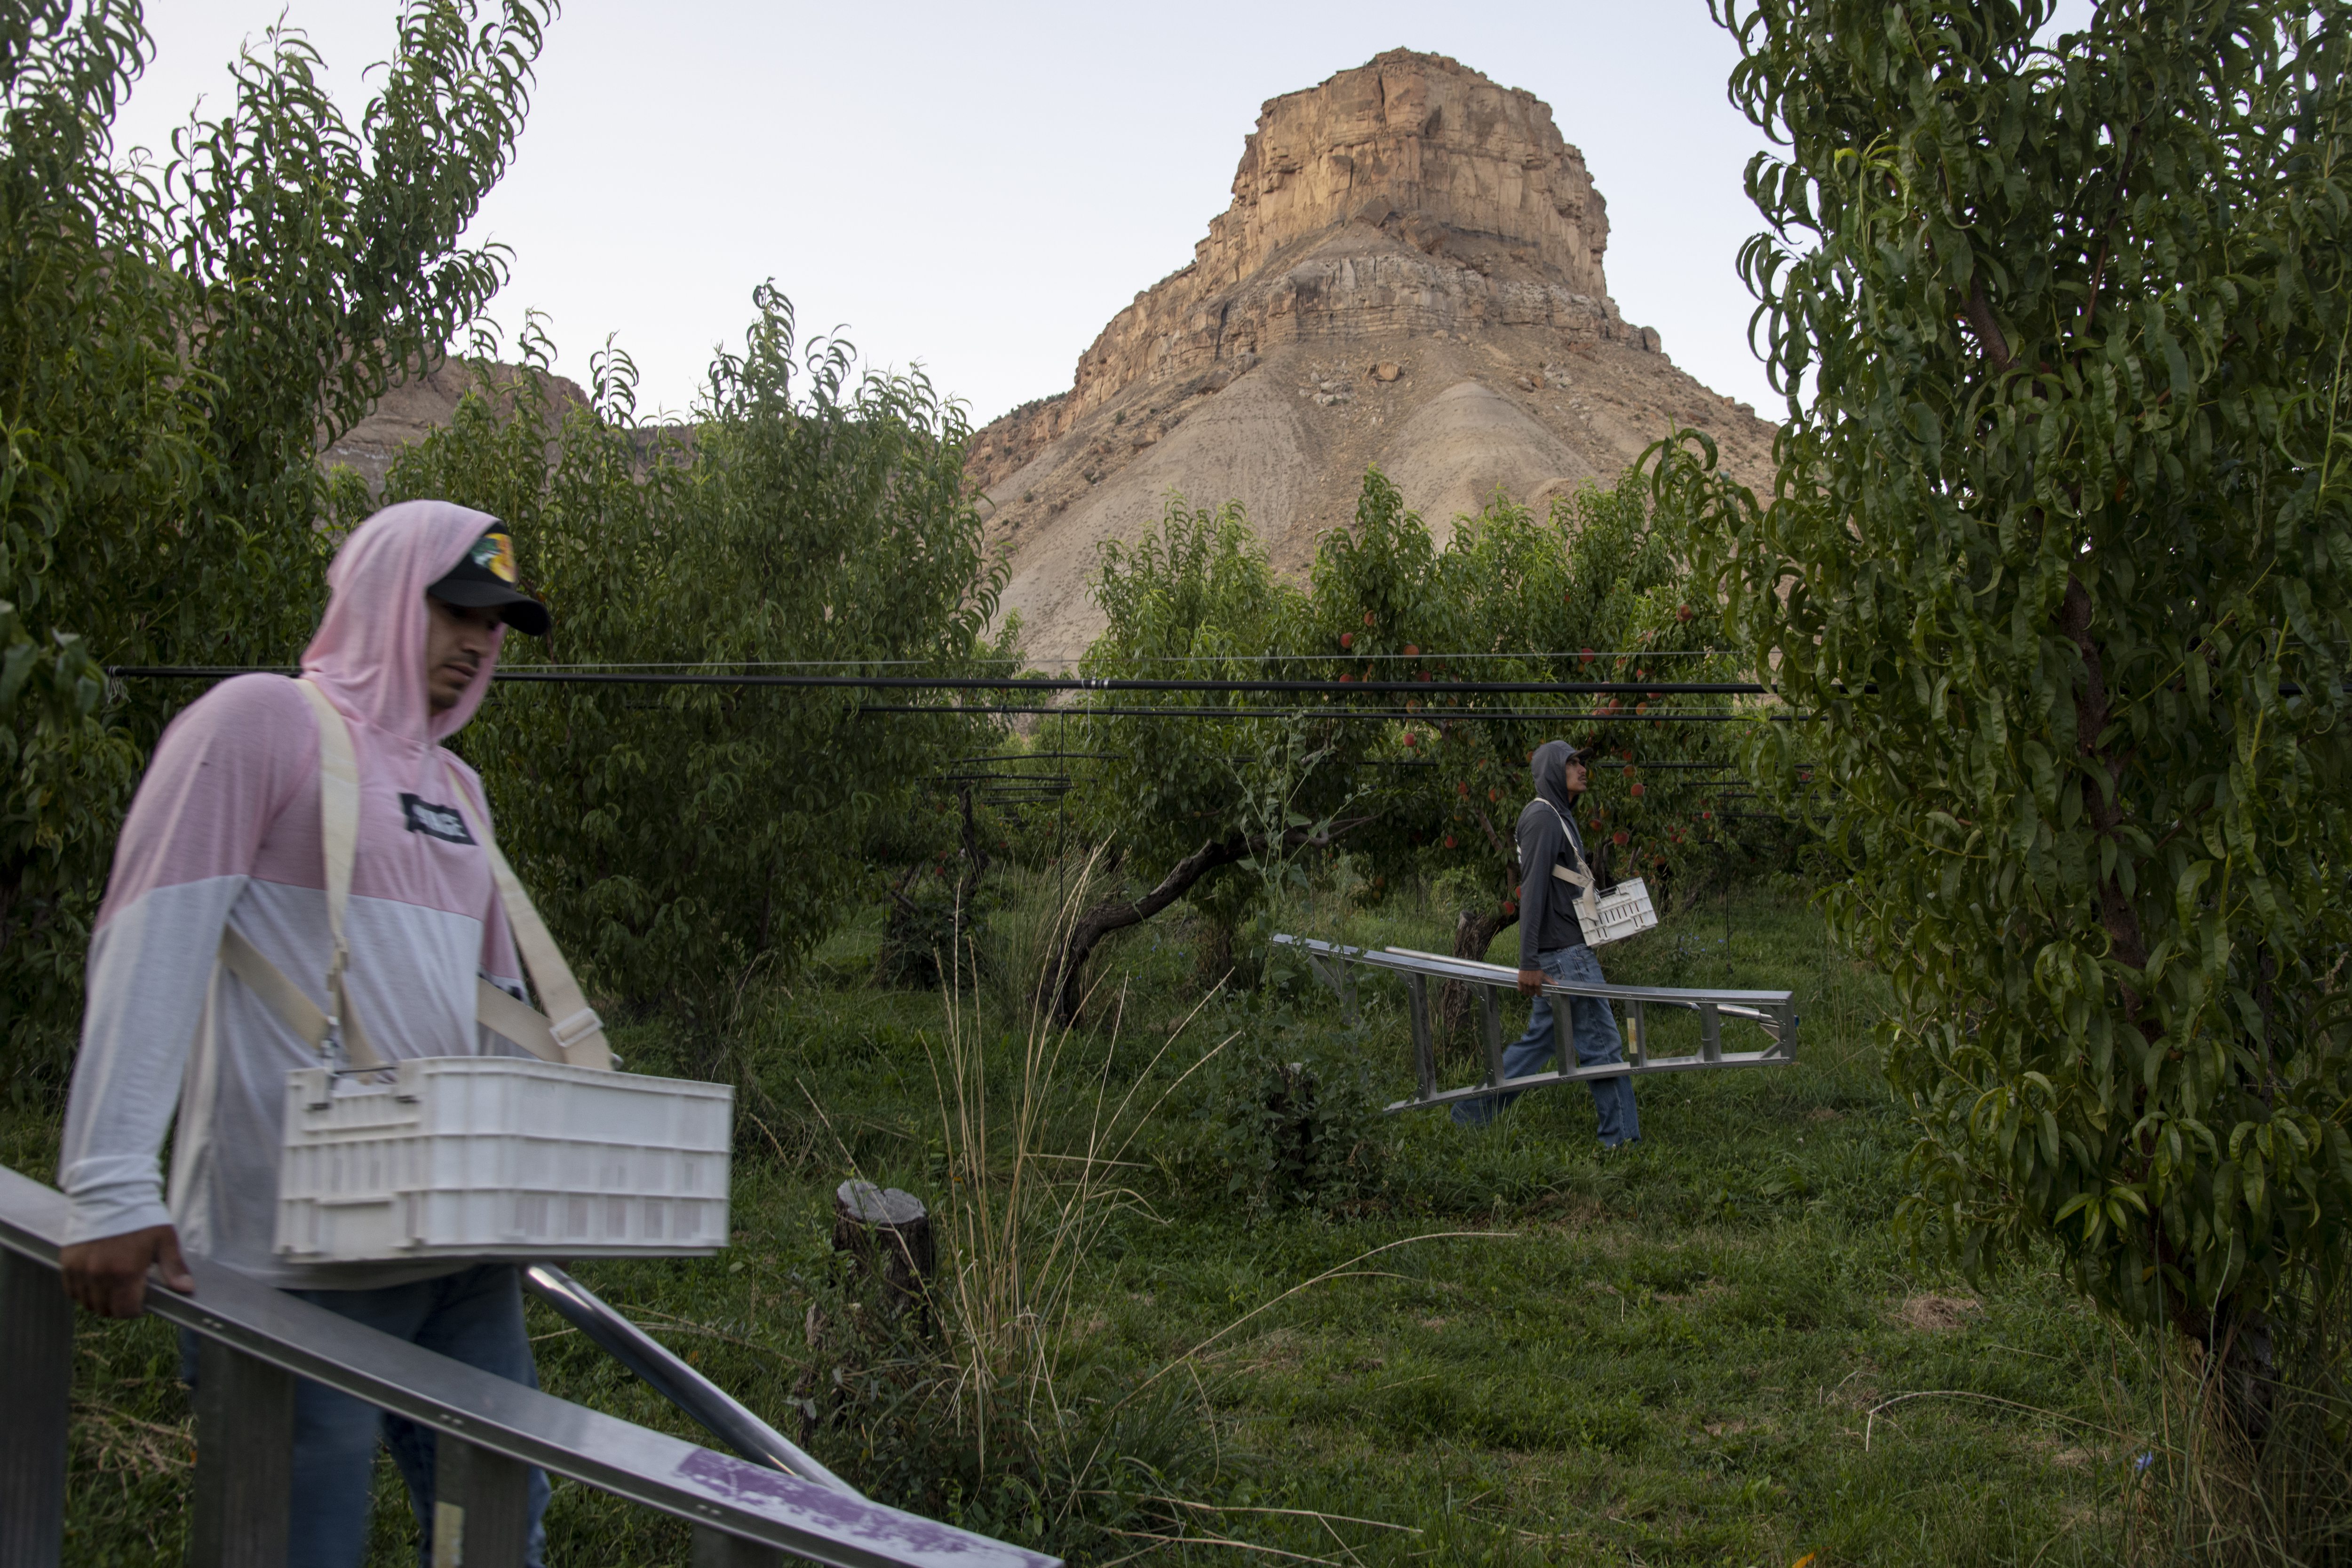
(578, 1040)
(577, 1035)
(1588, 895)
(268, 981)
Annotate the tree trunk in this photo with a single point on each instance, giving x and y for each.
(1216, 960)
(1990, 339)
(1119, 914)
(913, 935)
(1474, 930)
(2104, 807)
(2241, 1369)
(975, 866)
(1069, 973)
(2239, 1340)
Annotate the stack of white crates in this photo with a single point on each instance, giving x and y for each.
(499, 1157)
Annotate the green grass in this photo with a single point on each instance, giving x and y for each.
(1665, 1355)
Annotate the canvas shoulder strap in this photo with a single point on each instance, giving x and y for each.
(268, 981)
(579, 1040)
(340, 835)
(336, 1026)
(1587, 898)
(569, 1030)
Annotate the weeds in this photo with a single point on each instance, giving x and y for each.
(1501, 1348)
(965, 1410)
(1303, 1128)
(2207, 1492)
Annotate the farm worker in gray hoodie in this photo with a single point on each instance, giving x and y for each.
(1552, 947)
(226, 834)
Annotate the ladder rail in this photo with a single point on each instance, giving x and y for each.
(259, 1340)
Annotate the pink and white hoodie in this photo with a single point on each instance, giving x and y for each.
(226, 829)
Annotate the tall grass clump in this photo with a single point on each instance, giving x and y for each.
(2218, 1488)
(1014, 947)
(982, 1401)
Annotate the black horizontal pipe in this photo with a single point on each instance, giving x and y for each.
(933, 683)
(1032, 756)
(1449, 716)
(1092, 683)
(996, 776)
(1019, 683)
(1603, 765)
(1050, 682)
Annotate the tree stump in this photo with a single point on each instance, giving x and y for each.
(887, 1233)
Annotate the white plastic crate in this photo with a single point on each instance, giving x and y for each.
(1624, 909)
(498, 1157)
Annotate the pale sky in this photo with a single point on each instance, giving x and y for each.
(978, 188)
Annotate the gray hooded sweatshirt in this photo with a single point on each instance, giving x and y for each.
(1548, 836)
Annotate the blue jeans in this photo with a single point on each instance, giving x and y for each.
(474, 1316)
(1592, 1029)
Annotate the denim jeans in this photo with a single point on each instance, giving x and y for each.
(1592, 1029)
(474, 1316)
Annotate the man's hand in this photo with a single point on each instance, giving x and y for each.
(109, 1275)
(1531, 981)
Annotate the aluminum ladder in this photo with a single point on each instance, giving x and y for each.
(1773, 1012)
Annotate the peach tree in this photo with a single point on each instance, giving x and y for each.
(2057, 559)
(1589, 591)
(179, 338)
(1207, 802)
(811, 515)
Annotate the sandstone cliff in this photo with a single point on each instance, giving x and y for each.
(1410, 274)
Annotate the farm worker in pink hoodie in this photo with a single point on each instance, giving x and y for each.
(225, 831)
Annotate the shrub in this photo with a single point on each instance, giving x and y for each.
(1299, 1121)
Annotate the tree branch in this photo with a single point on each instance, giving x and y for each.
(1508, 854)
(1988, 330)
(2090, 704)
(1118, 913)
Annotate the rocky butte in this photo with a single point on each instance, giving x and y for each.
(1410, 275)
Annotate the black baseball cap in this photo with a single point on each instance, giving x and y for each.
(486, 578)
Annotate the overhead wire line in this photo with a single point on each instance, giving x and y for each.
(1420, 711)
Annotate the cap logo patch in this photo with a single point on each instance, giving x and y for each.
(496, 553)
